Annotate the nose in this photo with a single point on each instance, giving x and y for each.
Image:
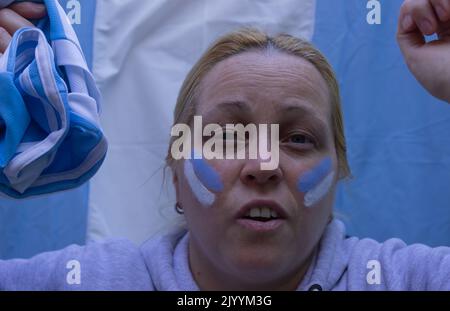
(252, 174)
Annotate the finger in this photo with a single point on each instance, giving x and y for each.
(444, 31)
(5, 38)
(424, 17)
(442, 9)
(408, 34)
(12, 21)
(420, 14)
(29, 10)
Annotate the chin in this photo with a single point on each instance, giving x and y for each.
(254, 262)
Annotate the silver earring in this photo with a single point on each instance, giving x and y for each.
(179, 209)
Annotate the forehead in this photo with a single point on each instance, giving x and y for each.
(264, 81)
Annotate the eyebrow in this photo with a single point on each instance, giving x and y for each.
(304, 111)
(301, 109)
(234, 106)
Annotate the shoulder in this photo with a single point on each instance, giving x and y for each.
(107, 265)
(398, 265)
(112, 264)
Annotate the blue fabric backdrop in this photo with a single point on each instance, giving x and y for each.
(398, 135)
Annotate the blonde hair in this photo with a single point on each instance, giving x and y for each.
(250, 39)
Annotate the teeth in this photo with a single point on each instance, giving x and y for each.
(264, 212)
(255, 212)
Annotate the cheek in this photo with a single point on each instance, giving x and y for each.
(203, 180)
(317, 182)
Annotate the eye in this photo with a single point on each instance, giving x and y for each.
(299, 140)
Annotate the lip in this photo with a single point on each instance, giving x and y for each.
(258, 203)
(260, 226)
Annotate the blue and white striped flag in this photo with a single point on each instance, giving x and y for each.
(50, 136)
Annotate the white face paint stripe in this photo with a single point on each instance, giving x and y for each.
(203, 195)
(317, 193)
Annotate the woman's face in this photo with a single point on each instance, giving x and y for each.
(263, 88)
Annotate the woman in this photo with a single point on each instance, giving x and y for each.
(254, 229)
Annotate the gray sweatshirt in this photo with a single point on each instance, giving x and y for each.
(161, 263)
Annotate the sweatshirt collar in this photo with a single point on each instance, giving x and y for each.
(329, 262)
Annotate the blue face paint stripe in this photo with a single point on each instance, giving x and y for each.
(207, 175)
(204, 196)
(313, 177)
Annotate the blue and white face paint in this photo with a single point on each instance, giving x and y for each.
(317, 182)
(203, 179)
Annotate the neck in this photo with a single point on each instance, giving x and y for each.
(209, 277)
